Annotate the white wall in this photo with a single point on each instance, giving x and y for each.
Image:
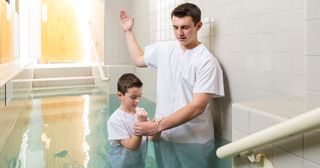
(34, 28)
(115, 48)
(313, 53)
(261, 47)
(299, 151)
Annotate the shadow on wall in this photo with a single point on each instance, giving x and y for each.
(221, 106)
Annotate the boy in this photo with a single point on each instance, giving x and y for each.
(127, 149)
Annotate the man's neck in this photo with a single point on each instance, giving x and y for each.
(190, 46)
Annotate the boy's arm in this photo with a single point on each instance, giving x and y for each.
(136, 52)
(134, 141)
(131, 143)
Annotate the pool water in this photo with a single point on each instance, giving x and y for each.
(70, 131)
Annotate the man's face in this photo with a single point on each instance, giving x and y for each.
(185, 30)
(131, 99)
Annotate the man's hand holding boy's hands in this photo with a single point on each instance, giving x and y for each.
(142, 115)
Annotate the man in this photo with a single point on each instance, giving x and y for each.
(188, 76)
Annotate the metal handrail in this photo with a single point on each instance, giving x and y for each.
(299, 124)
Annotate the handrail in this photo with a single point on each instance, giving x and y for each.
(102, 74)
(299, 124)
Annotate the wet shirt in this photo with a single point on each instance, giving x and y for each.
(120, 126)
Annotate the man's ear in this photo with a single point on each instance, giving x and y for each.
(199, 25)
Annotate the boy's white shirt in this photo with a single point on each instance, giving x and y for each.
(120, 126)
(184, 73)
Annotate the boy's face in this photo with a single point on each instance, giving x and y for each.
(185, 30)
(131, 99)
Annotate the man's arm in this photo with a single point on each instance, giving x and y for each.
(135, 51)
(183, 115)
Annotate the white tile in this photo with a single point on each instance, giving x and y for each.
(313, 73)
(266, 81)
(298, 64)
(313, 38)
(260, 120)
(283, 42)
(237, 134)
(235, 43)
(308, 164)
(250, 78)
(251, 25)
(313, 100)
(264, 61)
(237, 27)
(298, 42)
(282, 63)
(284, 21)
(250, 60)
(283, 84)
(284, 159)
(240, 117)
(239, 162)
(312, 146)
(298, 86)
(266, 23)
(250, 43)
(283, 5)
(235, 76)
(313, 11)
(299, 19)
(293, 145)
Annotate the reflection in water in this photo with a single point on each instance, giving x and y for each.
(86, 130)
(31, 151)
(72, 132)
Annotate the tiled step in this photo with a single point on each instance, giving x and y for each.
(61, 71)
(62, 81)
(65, 91)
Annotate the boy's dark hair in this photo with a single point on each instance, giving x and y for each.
(128, 80)
(187, 9)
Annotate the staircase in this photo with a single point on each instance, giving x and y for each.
(57, 80)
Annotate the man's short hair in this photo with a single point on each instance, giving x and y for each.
(128, 80)
(187, 9)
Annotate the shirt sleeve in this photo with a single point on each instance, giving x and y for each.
(116, 130)
(151, 56)
(210, 79)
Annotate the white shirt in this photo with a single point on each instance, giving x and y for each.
(180, 74)
(120, 126)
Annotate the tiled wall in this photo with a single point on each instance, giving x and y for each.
(299, 151)
(313, 53)
(115, 46)
(261, 47)
(115, 71)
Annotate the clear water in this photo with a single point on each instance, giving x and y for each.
(70, 131)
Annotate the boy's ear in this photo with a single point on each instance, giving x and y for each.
(119, 94)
